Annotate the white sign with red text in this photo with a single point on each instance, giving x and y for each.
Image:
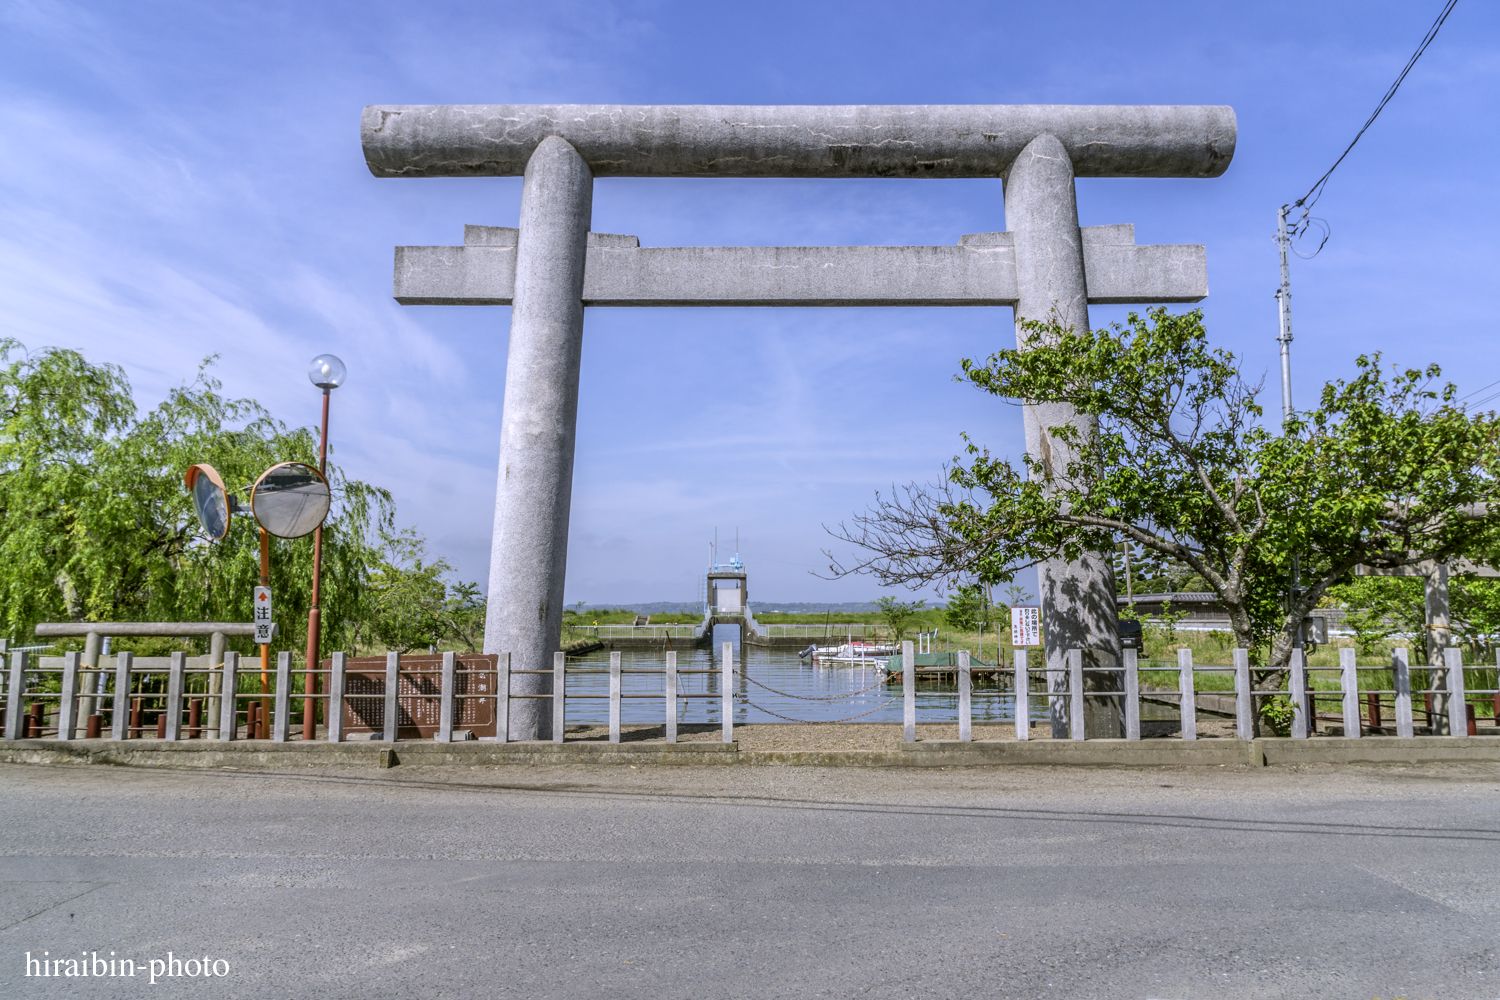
(262, 611)
(1025, 626)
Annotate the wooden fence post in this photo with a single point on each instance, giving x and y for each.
(335, 711)
(1401, 676)
(614, 696)
(1349, 686)
(1188, 701)
(671, 693)
(1244, 703)
(559, 694)
(391, 707)
(1458, 699)
(174, 695)
(1075, 695)
(119, 725)
(229, 704)
(281, 722)
(1132, 695)
(965, 698)
(15, 693)
(446, 699)
(727, 684)
(1297, 682)
(67, 709)
(908, 692)
(1023, 696)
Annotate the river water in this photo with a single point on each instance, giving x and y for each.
(778, 687)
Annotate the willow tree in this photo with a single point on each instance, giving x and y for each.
(1385, 471)
(96, 525)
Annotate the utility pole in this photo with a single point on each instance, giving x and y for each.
(1284, 310)
(1284, 302)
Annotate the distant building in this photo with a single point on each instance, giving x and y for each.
(1204, 611)
(727, 594)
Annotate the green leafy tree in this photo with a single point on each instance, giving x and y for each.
(410, 603)
(96, 524)
(968, 609)
(1172, 455)
(898, 615)
(405, 596)
(463, 615)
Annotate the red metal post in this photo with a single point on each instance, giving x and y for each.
(314, 616)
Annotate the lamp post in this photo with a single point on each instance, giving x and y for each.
(327, 373)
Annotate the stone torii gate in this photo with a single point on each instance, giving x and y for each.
(548, 270)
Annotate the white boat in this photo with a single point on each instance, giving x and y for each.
(856, 653)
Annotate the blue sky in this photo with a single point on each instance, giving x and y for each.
(181, 179)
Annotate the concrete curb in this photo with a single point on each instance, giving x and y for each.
(1093, 753)
(264, 754)
(1381, 750)
(926, 753)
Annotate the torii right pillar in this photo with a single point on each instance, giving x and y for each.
(1077, 598)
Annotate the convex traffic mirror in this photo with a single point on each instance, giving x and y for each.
(290, 500)
(209, 500)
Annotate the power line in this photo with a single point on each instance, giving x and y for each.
(1286, 231)
(1478, 391)
(1316, 191)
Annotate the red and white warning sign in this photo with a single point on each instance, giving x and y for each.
(1025, 626)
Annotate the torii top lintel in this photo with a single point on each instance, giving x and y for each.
(935, 140)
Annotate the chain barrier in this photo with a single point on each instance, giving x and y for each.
(743, 700)
(812, 722)
(808, 697)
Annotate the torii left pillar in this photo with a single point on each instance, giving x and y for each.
(538, 427)
(1078, 597)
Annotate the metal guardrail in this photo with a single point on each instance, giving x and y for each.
(630, 631)
(831, 631)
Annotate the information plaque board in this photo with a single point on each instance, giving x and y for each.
(418, 703)
(1025, 626)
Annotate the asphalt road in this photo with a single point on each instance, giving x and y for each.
(748, 882)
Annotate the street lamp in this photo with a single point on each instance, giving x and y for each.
(327, 373)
